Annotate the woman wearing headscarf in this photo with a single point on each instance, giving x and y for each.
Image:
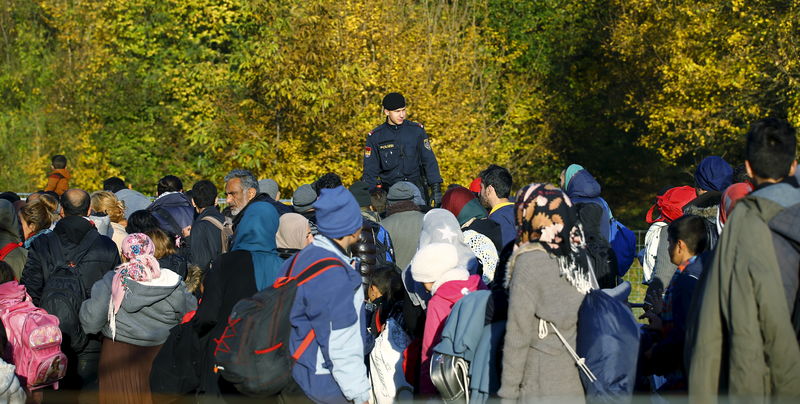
(252, 265)
(548, 277)
(294, 233)
(134, 306)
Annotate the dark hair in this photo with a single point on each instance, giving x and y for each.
(113, 184)
(740, 174)
(377, 198)
(53, 194)
(6, 272)
(33, 196)
(59, 161)
(328, 180)
(497, 177)
(170, 183)
(75, 202)
(10, 196)
(141, 221)
(204, 193)
(771, 148)
(691, 230)
(388, 282)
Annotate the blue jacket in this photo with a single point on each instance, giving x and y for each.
(583, 188)
(332, 369)
(505, 218)
(173, 211)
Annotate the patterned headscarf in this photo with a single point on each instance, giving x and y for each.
(142, 266)
(545, 214)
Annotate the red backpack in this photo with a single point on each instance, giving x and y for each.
(34, 339)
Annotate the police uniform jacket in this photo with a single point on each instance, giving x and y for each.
(396, 152)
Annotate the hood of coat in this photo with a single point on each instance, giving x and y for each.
(454, 290)
(73, 229)
(103, 225)
(63, 172)
(709, 213)
(143, 294)
(787, 223)
(583, 185)
(172, 200)
(9, 223)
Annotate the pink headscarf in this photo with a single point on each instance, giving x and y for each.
(142, 266)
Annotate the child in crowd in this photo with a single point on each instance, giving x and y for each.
(436, 267)
(687, 238)
(58, 179)
(385, 295)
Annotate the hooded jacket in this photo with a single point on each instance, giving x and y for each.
(76, 236)
(439, 307)
(134, 200)
(148, 311)
(174, 212)
(9, 233)
(584, 188)
(58, 181)
(10, 390)
(744, 343)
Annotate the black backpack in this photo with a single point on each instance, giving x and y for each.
(253, 351)
(63, 295)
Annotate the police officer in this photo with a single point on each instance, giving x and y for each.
(399, 150)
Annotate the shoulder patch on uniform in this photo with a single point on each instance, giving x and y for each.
(419, 124)
(370, 133)
(427, 143)
(367, 151)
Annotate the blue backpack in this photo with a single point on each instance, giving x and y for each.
(623, 242)
(607, 347)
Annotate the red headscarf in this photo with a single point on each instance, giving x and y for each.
(670, 205)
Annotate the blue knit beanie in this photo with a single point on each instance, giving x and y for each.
(713, 174)
(338, 214)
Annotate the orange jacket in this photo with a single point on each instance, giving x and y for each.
(58, 181)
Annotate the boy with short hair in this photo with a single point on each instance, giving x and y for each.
(58, 179)
(687, 239)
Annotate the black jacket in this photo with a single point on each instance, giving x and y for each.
(205, 242)
(230, 279)
(76, 236)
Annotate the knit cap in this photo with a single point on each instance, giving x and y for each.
(303, 198)
(401, 191)
(713, 174)
(338, 214)
(432, 261)
(360, 191)
(269, 187)
(463, 204)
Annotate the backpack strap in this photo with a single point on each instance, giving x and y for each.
(580, 362)
(221, 228)
(7, 249)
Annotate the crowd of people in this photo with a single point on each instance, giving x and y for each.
(148, 293)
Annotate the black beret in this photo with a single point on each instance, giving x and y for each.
(394, 101)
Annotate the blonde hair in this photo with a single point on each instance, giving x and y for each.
(36, 215)
(162, 242)
(106, 202)
(194, 278)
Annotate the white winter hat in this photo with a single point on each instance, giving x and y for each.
(432, 261)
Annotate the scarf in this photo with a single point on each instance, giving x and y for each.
(141, 266)
(440, 226)
(545, 215)
(256, 234)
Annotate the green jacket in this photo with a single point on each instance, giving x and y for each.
(744, 342)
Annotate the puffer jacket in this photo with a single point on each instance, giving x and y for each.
(10, 390)
(374, 247)
(148, 311)
(77, 237)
